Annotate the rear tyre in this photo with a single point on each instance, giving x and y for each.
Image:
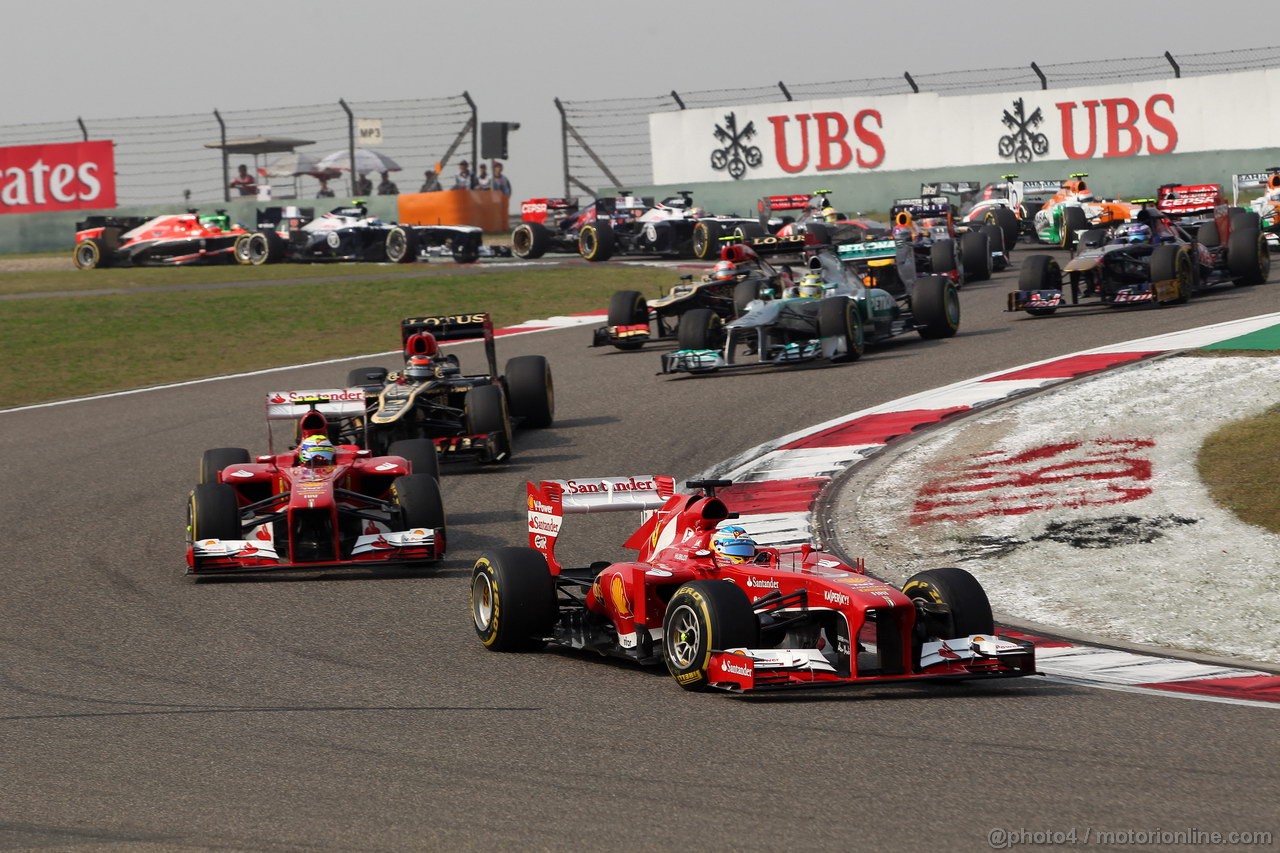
(420, 453)
(531, 391)
(705, 616)
(418, 499)
(1248, 256)
(1008, 222)
(1073, 222)
(838, 318)
(628, 308)
(402, 245)
(530, 240)
(213, 512)
(960, 592)
(486, 413)
(595, 240)
(254, 249)
(706, 239)
(213, 461)
(749, 231)
(1207, 235)
(513, 599)
(89, 254)
(700, 328)
(1170, 262)
(935, 303)
(1241, 218)
(942, 257)
(975, 251)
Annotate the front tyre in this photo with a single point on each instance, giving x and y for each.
(513, 599)
(420, 453)
(838, 318)
(705, 616)
(88, 254)
(485, 408)
(402, 245)
(700, 328)
(420, 504)
(213, 513)
(213, 461)
(961, 594)
(530, 390)
(628, 308)
(706, 239)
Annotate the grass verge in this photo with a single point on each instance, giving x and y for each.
(1240, 465)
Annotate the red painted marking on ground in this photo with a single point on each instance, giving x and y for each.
(773, 495)
(1076, 365)
(874, 429)
(1262, 688)
(1069, 474)
(1038, 641)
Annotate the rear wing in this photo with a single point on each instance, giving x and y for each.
(454, 327)
(330, 403)
(950, 188)
(549, 501)
(926, 206)
(295, 217)
(541, 209)
(1268, 180)
(1177, 200)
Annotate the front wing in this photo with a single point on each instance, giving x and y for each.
(238, 556)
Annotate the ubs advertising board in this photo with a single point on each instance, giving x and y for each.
(927, 131)
(57, 176)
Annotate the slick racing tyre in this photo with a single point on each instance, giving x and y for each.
(705, 616)
(838, 317)
(1172, 263)
(749, 231)
(967, 609)
(1241, 218)
(942, 257)
(975, 252)
(530, 390)
(213, 461)
(466, 249)
(402, 245)
(513, 599)
(1040, 272)
(995, 241)
(935, 303)
(213, 512)
(1073, 222)
(706, 239)
(700, 328)
(420, 453)
(1248, 257)
(1207, 235)
(595, 240)
(530, 240)
(1008, 222)
(485, 410)
(628, 308)
(254, 249)
(89, 254)
(417, 498)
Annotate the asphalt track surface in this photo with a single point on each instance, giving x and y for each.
(142, 711)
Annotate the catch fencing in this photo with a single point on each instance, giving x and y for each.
(166, 159)
(606, 142)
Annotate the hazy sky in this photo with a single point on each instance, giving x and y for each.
(69, 58)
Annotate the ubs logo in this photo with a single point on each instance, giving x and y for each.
(1023, 141)
(736, 155)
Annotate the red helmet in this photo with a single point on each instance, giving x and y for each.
(724, 270)
(421, 343)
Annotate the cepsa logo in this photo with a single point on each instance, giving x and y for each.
(59, 176)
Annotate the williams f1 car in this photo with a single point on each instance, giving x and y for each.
(353, 509)
(175, 239)
(466, 417)
(762, 619)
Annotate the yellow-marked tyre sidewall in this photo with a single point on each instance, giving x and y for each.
(488, 633)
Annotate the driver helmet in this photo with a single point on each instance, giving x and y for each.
(316, 450)
(420, 368)
(733, 545)
(811, 286)
(830, 214)
(1136, 232)
(724, 271)
(696, 213)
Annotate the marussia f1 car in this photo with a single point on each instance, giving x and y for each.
(788, 617)
(175, 239)
(349, 233)
(1154, 260)
(275, 513)
(634, 321)
(1264, 210)
(467, 417)
(859, 303)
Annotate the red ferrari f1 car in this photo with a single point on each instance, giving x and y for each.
(722, 613)
(338, 507)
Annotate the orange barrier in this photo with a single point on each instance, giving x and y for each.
(485, 208)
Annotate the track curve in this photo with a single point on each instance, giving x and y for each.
(142, 711)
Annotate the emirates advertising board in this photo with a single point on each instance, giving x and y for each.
(929, 131)
(57, 176)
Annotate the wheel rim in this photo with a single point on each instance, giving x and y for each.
(588, 241)
(86, 256)
(396, 244)
(521, 241)
(482, 602)
(683, 636)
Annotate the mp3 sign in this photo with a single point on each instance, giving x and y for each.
(928, 131)
(58, 176)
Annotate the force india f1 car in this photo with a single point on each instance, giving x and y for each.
(723, 292)
(1264, 210)
(176, 239)
(1157, 259)
(787, 618)
(871, 294)
(464, 416)
(349, 233)
(274, 513)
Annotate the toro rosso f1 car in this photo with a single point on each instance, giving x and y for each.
(765, 619)
(274, 513)
(176, 239)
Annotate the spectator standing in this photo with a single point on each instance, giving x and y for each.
(387, 186)
(482, 179)
(244, 182)
(430, 183)
(500, 182)
(464, 179)
(324, 191)
(364, 186)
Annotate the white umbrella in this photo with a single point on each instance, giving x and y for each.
(366, 161)
(295, 163)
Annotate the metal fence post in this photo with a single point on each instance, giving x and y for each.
(475, 124)
(1044, 81)
(910, 82)
(351, 143)
(785, 93)
(226, 158)
(84, 131)
(1177, 71)
(564, 144)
